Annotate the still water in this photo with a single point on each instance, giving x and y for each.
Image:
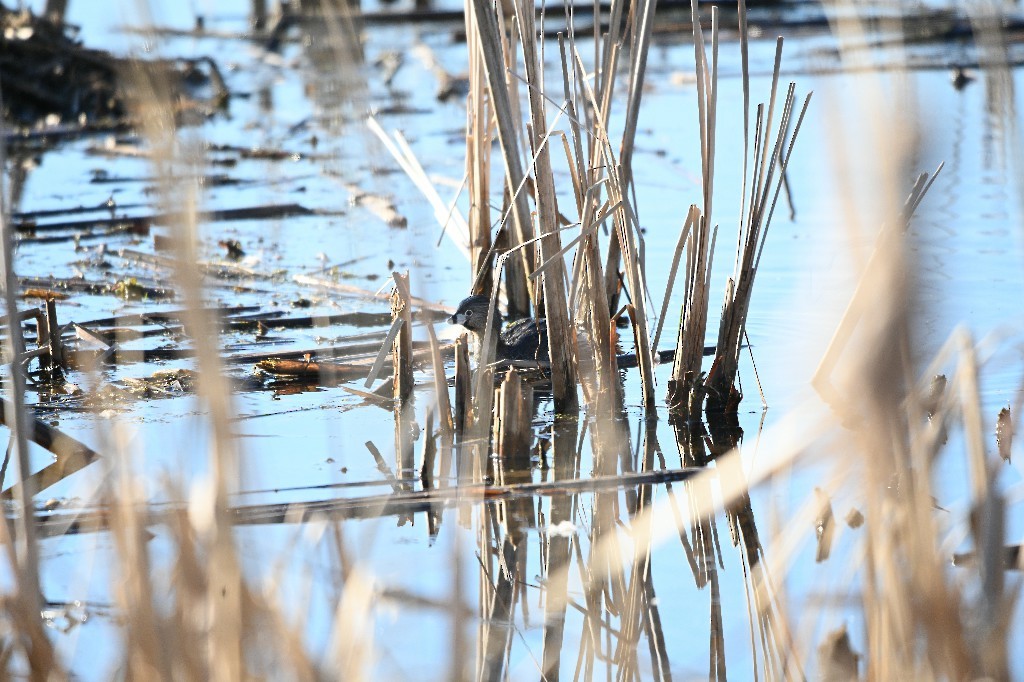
(966, 239)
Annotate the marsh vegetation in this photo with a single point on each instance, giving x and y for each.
(770, 434)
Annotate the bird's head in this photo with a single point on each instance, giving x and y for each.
(472, 314)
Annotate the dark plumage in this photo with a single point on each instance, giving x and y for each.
(519, 340)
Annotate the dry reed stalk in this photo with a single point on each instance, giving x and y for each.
(513, 410)
(561, 340)
(627, 232)
(637, 71)
(901, 526)
(403, 383)
(463, 387)
(478, 160)
(625, 244)
(988, 617)
(920, 620)
(599, 115)
(686, 392)
(448, 216)
(224, 658)
(401, 348)
(901, 529)
(428, 460)
(685, 388)
(588, 296)
(723, 396)
(478, 423)
(494, 63)
(23, 554)
(444, 408)
(606, 397)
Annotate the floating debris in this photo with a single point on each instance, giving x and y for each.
(130, 290)
(379, 205)
(163, 384)
(45, 294)
(324, 372)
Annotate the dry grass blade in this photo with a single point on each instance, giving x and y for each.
(440, 386)
(447, 216)
(224, 586)
(385, 349)
(683, 236)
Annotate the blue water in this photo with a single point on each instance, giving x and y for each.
(966, 240)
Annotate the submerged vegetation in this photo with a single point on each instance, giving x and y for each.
(544, 481)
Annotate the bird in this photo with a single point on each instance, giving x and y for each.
(525, 339)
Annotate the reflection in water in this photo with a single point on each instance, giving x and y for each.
(1001, 135)
(328, 31)
(566, 566)
(596, 560)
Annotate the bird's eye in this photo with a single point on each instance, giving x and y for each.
(469, 313)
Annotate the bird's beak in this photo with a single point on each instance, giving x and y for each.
(457, 319)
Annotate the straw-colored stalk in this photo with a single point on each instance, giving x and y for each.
(19, 538)
(685, 390)
(478, 160)
(155, 110)
(494, 65)
(561, 341)
(723, 396)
